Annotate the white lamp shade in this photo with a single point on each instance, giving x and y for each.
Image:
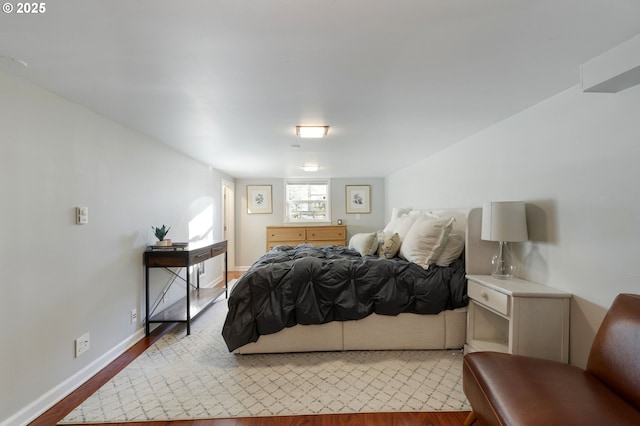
(504, 221)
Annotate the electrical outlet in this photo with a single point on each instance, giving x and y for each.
(82, 344)
(134, 315)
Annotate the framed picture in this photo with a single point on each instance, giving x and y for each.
(358, 199)
(259, 199)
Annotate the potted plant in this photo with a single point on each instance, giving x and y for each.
(160, 233)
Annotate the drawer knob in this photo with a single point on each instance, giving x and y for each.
(484, 295)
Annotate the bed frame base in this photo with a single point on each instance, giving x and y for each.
(445, 330)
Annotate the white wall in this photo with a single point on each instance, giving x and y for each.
(574, 160)
(251, 231)
(61, 280)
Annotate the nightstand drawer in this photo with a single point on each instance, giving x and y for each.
(493, 299)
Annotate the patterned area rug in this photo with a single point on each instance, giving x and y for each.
(195, 376)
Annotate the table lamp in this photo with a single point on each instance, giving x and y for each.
(503, 221)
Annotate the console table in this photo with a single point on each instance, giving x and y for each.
(197, 299)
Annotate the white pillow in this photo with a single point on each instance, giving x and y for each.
(396, 214)
(365, 243)
(426, 239)
(388, 244)
(452, 250)
(404, 224)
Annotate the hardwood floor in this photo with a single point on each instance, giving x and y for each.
(65, 406)
(381, 419)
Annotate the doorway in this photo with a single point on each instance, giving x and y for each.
(228, 228)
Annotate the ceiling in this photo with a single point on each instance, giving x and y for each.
(227, 81)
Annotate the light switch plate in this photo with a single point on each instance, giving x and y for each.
(82, 215)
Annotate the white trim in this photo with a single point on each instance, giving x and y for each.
(30, 412)
(214, 282)
(228, 220)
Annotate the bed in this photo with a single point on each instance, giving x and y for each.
(301, 299)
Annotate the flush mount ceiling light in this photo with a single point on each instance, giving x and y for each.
(310, 168)
(312, 131)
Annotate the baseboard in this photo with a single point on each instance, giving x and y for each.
(55, 395)
(217, 280)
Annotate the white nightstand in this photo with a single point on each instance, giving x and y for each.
(518, 317)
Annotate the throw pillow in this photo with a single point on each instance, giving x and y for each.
(396, 214)
(365, 243)
(426, 239)
(452, 250)
(388, 244)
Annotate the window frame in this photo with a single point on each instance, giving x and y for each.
(301, 181)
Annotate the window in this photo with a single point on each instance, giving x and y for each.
(307, 201)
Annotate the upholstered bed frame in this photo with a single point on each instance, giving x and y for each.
(446, 330)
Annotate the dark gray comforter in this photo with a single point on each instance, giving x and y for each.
(316, 285)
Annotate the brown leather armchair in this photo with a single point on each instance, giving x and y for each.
(508, 389)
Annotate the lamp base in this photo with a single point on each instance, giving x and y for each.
(502, 265)
(502, 276)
